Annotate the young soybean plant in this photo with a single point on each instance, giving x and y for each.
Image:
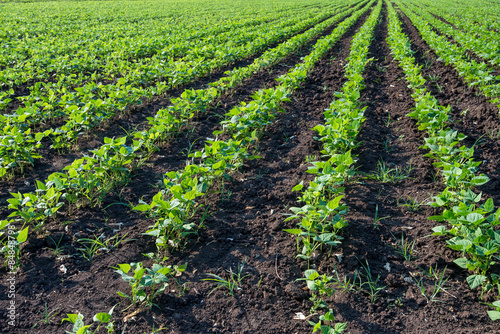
(320, 285)
(325, 324)
(80, 328)
(147, 283)
(10, 246)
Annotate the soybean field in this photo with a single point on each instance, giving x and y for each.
(195, 166)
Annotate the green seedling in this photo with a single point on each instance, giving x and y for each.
(260, 281)
(433, 272)
(388, 121)
(386, 145)
(387, 174)
(494, 314)
(493, 134)
(474, 235)
(18, 148)
(320, 285)
(345, 283)
(11, 240)
(396, 302)
(326, 325)
(80, 328)
(155, 330)
(320, 220)
(421, 286)
(57, 249)
(412, 204)
(433, 77)
(311, 158)
(436, 289)
(439, 87)
(232, 283)
(373, 285)
(147, 283)
(175, 206)
(404, 248)
(92, 247)
(377, 219)
(381, 68)
(36, 208)
(183, 287)
(47, 316)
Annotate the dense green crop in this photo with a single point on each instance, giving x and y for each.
(68, 67)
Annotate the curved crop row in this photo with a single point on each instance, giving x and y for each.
(175, 206)
(110, 47)
(483, 42)
(48, 100)
(481, 13)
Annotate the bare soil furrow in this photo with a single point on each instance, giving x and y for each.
(471, 112)
(401, 308)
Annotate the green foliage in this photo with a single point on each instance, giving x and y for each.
(405, 248)
(387, 174)
(80, 328)
(11, 239)
(232, 283)
(471, 37)
(369, 284)
(436, 288)
(326, 325)
(69, 78)
(472, 225)
(494, 314)
(147, 283)
(321, 218)
(321, 287)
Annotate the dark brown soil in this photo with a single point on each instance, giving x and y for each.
(471, 114)
(246, 223)
(135, 118)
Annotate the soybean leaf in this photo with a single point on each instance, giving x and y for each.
(475, 280)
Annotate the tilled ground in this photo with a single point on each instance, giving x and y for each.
(246, 222)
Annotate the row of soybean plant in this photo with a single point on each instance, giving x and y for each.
(321, 218)
(87, 180)
(86, 47)
(480, 13)
(175, 206)
(84, 107)
(474, 73)
(476, 38)
(471, 230)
